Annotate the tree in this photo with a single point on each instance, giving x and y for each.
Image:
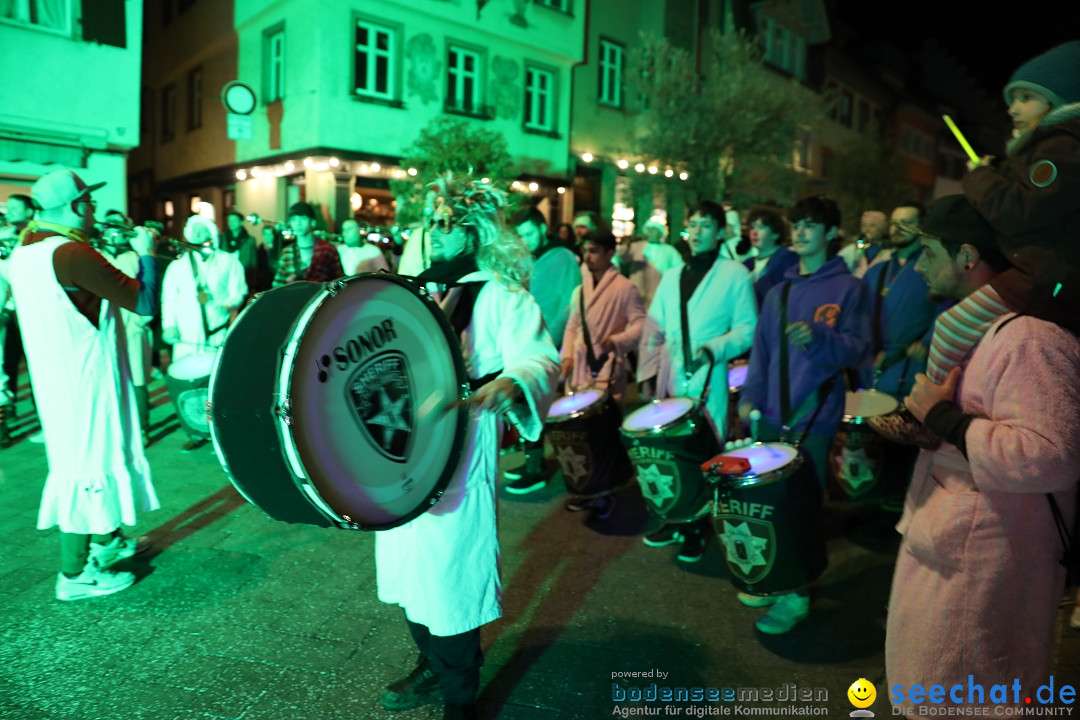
(867, 174)
(453, 144)
(730, 126)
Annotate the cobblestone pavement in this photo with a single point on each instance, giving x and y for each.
(239, 617)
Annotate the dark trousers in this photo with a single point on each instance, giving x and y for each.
(456, 659)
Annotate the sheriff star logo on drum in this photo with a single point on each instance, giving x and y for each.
(380, 395)
(655, 485)
(575, 466)
(750, 547)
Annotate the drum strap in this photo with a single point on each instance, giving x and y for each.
(689, 280)
(596, 364)
(200, 286)
(878, 335)
(461, 315)
(818, 396)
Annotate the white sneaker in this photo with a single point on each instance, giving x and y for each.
(37, 438)
(757, 601)
(117, 549)
(92, 582)
(789, 611)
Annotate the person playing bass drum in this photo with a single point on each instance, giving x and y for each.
(443, 567)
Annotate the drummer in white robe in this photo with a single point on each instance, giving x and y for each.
(443, 567)
(67, 295)
(721, 315)
(201, 292)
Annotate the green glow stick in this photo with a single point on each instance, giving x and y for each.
(961, 139)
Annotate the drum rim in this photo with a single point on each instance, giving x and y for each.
(696, 405)
(865, 419)
(751, 479)
(592, 408)
(330, 290)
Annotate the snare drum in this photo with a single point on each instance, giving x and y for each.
(187, 381)
(857, 454)
(768, 521)
(736, 378)
(330, 404)
(584, 431)
(667, 440)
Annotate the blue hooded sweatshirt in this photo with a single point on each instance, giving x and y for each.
(836, 304)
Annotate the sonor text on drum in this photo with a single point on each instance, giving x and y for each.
(356, 349)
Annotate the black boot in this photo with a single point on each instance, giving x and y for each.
(418, 688)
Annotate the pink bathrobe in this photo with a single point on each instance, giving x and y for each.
(613, 310)
(977, 581)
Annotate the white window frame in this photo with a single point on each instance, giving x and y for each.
(560, 5)
(24, 13)
(275, 64)
(375, 54)
(458, 78)
(612, 63)
(539, 100)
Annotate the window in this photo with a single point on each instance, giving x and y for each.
(832, 97)
(194, 106)
(463, 80)
(274, 63)
(611, 72)
(782, 49)
(375, 57)
(560, 5)
(539, 99)
(44, 14)
(802, 149)
(168, 113)
(862, 119)
(847, 100)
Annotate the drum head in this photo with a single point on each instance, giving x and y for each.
(658, 415)
(861, 404)
(368, 373)
(767, 460)
(193, 367)
(574, 405)
(736, 377)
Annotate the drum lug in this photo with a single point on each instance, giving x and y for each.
(284, 411)
(333, 288)
(348, 524)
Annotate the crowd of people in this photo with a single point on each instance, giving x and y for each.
(964, 312)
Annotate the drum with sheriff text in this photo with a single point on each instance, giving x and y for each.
(857, 458)
(768, 520)
(334, 404)
(667, 440)
(584, 432)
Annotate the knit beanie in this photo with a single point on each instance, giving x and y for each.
(1055, 74)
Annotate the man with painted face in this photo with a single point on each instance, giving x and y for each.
(357, 254)
(308, 258)
(201, 292)
(812, 327)
(715, 298)
(555, 276)
(443, 567)
(870, 247)
(978, 581)
(902, 317)
(67, 295)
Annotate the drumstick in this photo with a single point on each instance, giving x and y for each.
(433, 402)
(961, 139)
(755, 417)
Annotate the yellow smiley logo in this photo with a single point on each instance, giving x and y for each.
(862, 693)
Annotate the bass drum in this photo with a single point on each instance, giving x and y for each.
(333, 404)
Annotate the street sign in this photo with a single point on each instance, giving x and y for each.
(240, 127)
